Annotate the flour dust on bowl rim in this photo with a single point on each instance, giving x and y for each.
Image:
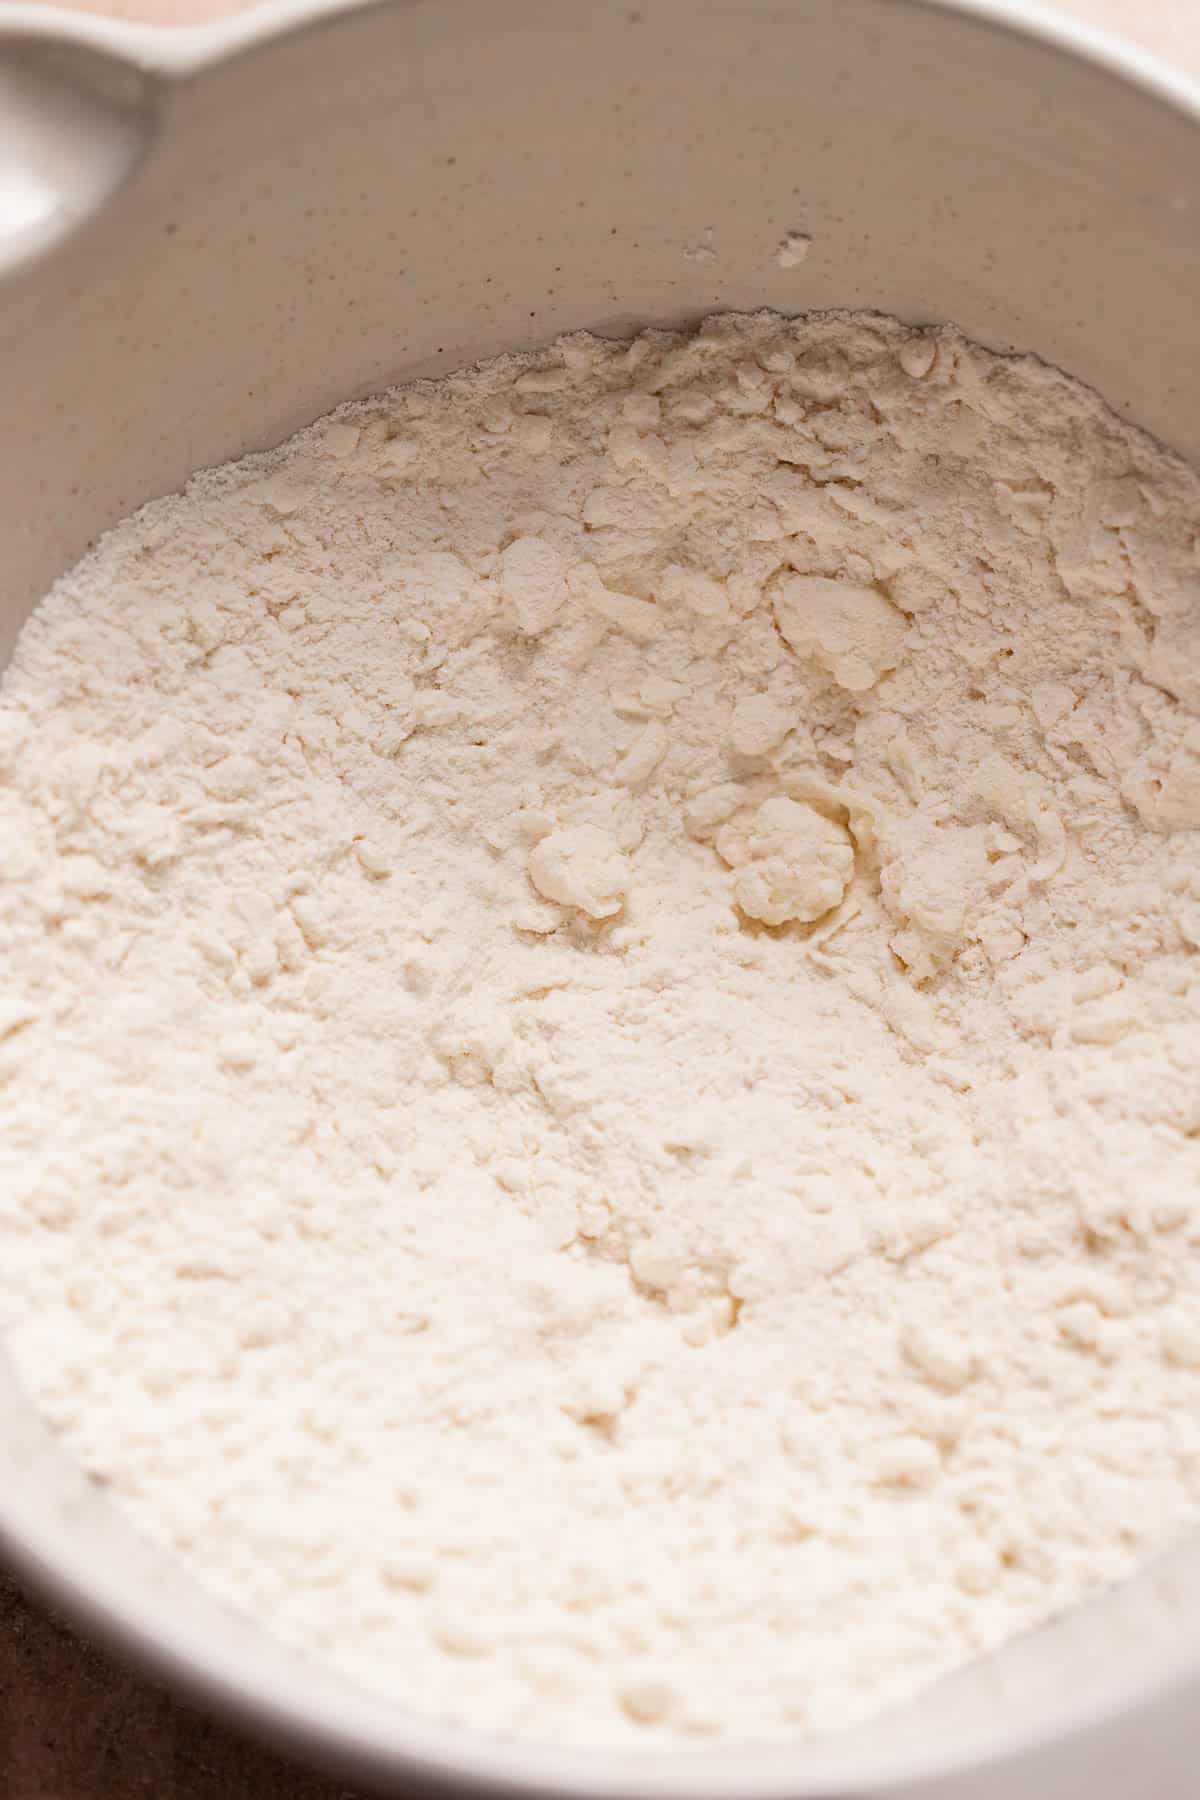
(210, 237)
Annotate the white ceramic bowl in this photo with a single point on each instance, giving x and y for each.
(207, 237)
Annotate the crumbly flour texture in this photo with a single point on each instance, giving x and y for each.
(599, 1052)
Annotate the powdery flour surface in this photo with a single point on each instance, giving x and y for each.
(601, 1081)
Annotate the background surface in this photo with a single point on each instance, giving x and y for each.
(73, 1724)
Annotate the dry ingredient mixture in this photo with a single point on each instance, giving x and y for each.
(600, 1109)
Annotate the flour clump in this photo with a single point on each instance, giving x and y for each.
(598, 1065)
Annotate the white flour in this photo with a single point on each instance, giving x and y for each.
(601, 1085)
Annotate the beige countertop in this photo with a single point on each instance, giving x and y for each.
(73, 1724)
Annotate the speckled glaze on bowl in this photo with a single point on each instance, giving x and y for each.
(207, 237)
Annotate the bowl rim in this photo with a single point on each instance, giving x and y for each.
(183, 51)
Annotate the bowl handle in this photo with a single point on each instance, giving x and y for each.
(75, 121)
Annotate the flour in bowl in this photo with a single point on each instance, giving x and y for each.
(599, 1062)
